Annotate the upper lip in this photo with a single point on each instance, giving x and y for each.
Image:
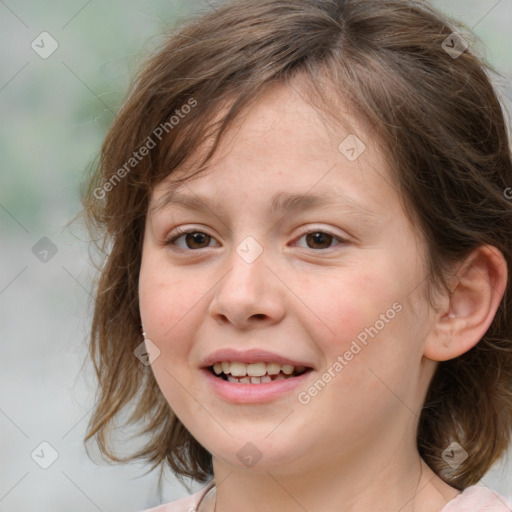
(249, 356)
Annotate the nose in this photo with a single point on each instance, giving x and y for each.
(248, 295)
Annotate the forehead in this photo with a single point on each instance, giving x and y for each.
(291, 146)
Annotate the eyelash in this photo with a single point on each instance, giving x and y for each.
(179, 233)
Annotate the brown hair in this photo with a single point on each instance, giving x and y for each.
(443, 131)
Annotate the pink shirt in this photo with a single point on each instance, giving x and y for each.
(473, 499)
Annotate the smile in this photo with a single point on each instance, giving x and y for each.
(254, 373)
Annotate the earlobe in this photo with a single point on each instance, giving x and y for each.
(469, 306)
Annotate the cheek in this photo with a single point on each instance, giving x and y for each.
(168, 305)
(367, 320)
(351, 303)
(167, 301)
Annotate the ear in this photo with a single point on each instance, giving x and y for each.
(468, 308)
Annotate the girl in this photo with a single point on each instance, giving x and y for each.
(306, 299)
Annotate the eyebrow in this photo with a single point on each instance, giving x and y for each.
(281, 202)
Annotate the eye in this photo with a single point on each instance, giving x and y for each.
(320, 239)
(193, 239)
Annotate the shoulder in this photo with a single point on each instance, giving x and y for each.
(186, 504)
(478, 499)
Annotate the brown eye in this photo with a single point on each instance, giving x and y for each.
(320, 240)
(196, 237)
(193, 240)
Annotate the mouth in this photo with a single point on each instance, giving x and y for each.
(255, 373)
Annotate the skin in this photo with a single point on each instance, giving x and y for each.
(353, 446)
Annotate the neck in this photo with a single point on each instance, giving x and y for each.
(377, 482)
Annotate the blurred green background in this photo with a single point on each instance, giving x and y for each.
(54, 114)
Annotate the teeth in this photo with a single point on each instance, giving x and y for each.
(287, 369)
(273, 368)
(237, 369)
(255, 372)
(256, 369)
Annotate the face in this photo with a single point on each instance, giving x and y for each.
(331, 284)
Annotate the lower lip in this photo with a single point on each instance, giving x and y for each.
(253, 393)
